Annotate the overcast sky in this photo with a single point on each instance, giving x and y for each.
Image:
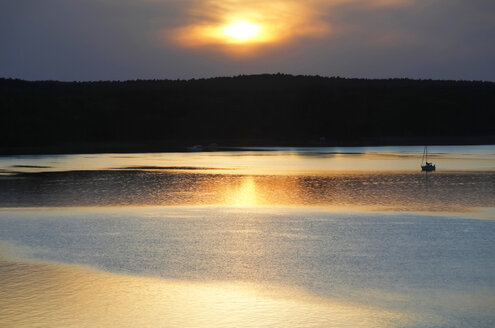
(169, 39)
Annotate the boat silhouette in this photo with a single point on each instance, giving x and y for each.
(425, 165)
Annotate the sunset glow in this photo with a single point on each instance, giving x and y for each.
(242, 27)
(242, 31)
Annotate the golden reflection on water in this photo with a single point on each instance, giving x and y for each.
(287, 162)
(55, 295)
(243, 195)
(250, 191)
(399, 192)
(322, 161)
(373, 179)
(367, 192)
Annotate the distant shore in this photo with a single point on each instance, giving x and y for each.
(232, 145)
(50, 117)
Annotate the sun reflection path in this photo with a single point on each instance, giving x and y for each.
(244, 195)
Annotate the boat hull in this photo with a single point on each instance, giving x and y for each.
(427, 168)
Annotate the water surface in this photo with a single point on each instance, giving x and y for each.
(349, 237)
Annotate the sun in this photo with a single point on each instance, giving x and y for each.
(243, 28)
(242, 32)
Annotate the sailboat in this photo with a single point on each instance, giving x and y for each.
(425, 165)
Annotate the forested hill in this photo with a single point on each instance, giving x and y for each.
(244, 110)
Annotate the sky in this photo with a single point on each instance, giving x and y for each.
(81, 40)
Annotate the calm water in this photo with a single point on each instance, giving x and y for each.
(326, 237)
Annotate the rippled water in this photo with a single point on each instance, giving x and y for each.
(271, 238)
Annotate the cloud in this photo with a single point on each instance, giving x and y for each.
(278, 21)
(125, 39)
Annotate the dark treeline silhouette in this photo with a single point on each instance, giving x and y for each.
(244, 110)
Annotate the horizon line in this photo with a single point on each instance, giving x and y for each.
(246, 75)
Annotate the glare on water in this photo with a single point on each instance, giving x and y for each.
(76, 296)
(350, 178)
(322, 237)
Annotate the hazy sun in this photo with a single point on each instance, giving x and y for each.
(247, 27)
(242, 31)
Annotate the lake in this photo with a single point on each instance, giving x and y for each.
(265, 237)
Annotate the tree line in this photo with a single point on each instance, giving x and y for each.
(263, 109)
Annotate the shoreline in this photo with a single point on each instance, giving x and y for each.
(166, 146)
